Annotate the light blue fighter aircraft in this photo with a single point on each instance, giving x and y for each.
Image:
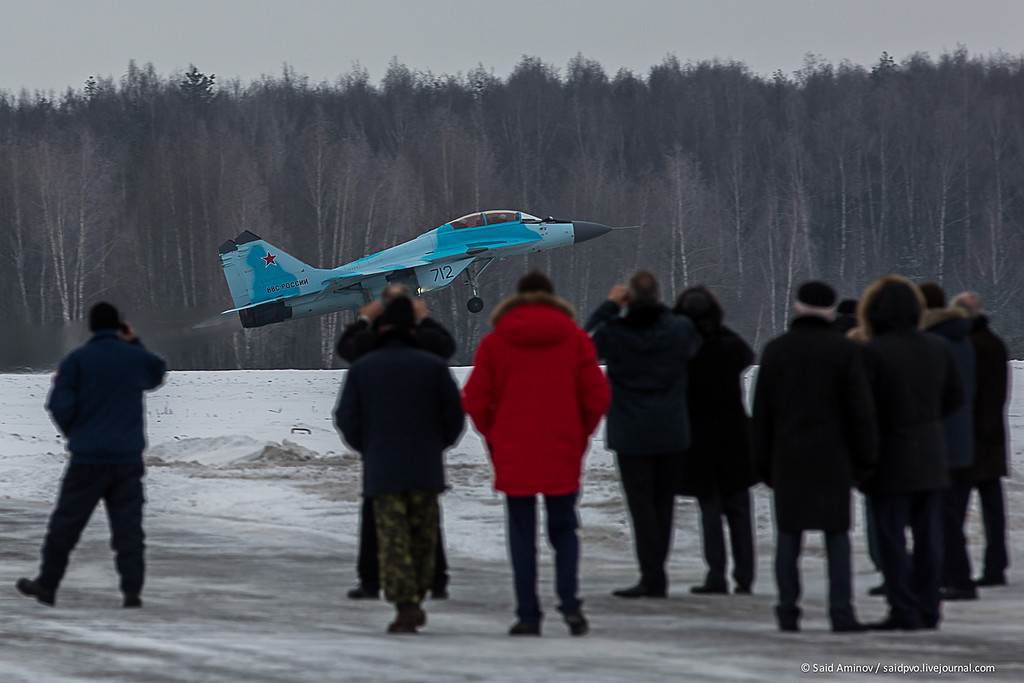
(270, 286)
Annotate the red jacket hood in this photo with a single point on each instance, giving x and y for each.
(534, 319)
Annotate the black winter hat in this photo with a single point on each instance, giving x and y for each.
(816, 294)
(103, 316)
(398, 314)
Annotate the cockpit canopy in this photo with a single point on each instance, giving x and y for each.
(476, 220)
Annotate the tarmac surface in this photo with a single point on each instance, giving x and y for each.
(233, 600)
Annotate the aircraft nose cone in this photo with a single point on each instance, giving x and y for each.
(585, 230)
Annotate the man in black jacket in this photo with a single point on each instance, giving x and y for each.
(647, 353)
(400, 408)
(916, 385)
(719, 468)
(97, 403)
(815, 436)
(991, 358)
(358, 339)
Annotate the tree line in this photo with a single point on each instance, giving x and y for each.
(124, 190)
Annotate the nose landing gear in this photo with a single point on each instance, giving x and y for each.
(476, 304)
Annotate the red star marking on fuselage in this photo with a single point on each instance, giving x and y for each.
(269, 259)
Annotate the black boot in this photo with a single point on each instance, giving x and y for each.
(33, 589)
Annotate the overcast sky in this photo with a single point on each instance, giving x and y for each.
(54, 44)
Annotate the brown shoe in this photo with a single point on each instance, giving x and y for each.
(409, 616)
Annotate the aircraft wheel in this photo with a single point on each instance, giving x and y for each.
(475, 305)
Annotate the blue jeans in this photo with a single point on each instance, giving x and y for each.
(522, 543)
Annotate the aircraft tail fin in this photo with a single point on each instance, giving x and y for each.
(258, 272)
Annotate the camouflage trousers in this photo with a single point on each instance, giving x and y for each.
(406, 537)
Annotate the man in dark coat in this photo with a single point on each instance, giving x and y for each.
(916, 384)
(359, 338)
(991, 359)
(648, 427)
(815, 437)
(953, 325)
(718, 468)
(400, 408)
(97, 403)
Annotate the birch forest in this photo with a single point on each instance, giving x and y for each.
(122, 190)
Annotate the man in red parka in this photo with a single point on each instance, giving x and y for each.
(536, 394)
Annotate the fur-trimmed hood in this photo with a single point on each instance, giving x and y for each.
(889, 303)
(938, 316)
(534, 319)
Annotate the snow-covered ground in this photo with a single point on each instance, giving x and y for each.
(252, 522)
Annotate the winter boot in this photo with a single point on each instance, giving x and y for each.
(409, 616)
(33, 589)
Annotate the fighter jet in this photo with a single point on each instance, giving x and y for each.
(270, 286)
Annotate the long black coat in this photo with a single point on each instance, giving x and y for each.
(400, 408)
(915, 383)
(991, 358)
(647, 353)
(815, 433)
(720, 452)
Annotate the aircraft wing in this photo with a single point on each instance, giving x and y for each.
(461, 251)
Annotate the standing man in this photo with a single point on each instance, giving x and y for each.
(991, 358)
(97, 403)
(815, 436)
(359, 338)
(719, 468)
(536, 394)
(400, 408)
(916, 385)
(953, 325)
(647, 351)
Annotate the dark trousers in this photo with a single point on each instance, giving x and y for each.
(649, 482)
(368, 565)
(872, 535)
(406, 535)
(956, 565)
(787, 577)
(83, 487)
(993, 517)
(736, 509)
(911, 582)
(522, 545)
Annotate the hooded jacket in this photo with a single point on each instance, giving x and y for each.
(915, 383)
(536, 394)
(720, 457)
(647, 353)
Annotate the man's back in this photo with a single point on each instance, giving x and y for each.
(97, 398)
(400, 408)
(647, 353)
(814, 426)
